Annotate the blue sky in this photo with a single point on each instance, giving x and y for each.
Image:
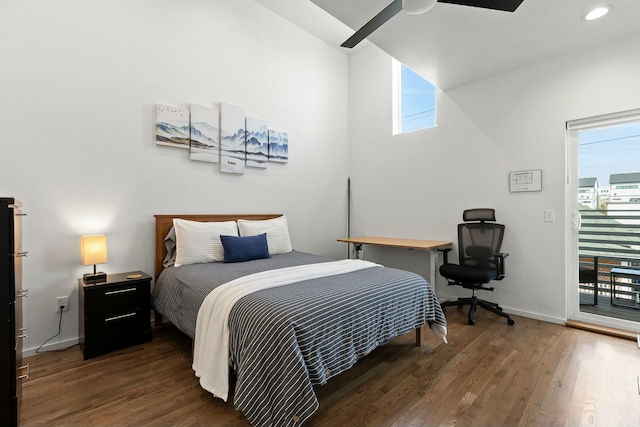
(609, 150)
(418, 101)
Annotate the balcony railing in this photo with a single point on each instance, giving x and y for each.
(614, 237)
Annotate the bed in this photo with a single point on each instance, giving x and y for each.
(310, 318)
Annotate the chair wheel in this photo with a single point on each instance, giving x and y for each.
(510, 322)
(471, 322)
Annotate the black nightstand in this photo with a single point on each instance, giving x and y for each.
(115, 313)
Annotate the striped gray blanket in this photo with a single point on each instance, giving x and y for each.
(285, 341)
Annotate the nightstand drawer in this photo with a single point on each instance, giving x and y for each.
(115, 301)
(117, 326)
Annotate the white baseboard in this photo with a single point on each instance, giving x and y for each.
(537, 316)
(516, 312)
(50, 347)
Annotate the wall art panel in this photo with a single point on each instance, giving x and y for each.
(232, 139)
(257, 143)
(172, 126)
(278, 146)
(205, 134)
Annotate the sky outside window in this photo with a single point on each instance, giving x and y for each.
(609, 150)
(418, 102)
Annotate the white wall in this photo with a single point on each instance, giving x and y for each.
(79, 81)
(417, 185)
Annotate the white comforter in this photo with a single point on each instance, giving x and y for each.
(211, 347)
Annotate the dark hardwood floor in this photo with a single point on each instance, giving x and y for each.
(490, 374)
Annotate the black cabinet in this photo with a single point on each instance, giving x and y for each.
(115, 313)
(11, 332)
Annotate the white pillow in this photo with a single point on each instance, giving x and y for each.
(277, 233)
(199, 242)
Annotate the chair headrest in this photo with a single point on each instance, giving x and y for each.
(479, 214)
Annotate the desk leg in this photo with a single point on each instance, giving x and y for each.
(433, 260)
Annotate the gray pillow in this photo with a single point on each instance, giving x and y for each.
(170, 244)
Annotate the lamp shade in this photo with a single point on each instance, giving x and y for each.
(416, 7)
(93, 249)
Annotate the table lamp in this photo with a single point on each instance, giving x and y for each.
(94, 251)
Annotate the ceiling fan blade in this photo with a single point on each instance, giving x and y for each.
(396, 6)
(368, 28)
(506, 5)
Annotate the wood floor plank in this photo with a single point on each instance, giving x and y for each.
(491, 374)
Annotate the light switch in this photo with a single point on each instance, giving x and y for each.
(549, 215)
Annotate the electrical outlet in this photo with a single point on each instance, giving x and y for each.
(62, 304)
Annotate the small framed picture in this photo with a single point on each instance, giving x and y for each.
(530, 180)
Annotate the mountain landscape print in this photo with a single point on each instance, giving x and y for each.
(205, 134)
(232, 139)
(257, 143)
(221, 134)
(172, 126)
(278, 146)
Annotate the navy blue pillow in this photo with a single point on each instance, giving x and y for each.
(244, 248)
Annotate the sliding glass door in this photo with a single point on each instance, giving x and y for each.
(603, 198)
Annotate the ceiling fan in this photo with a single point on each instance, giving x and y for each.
(415, 7)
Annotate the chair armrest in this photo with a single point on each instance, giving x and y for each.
(499, 258)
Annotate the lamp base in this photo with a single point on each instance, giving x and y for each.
(95, 277)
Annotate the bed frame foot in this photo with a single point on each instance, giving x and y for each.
(418, 336)
(157, 321)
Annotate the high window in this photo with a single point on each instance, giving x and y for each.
(414, 100)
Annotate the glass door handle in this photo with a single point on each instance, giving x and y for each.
(577, 221)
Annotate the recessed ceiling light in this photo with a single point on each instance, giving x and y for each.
(597, 12)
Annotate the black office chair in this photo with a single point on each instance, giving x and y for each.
(590, 275)
(480, 260)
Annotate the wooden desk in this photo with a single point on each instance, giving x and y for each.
(425, 245)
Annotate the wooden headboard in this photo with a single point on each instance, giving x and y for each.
(165, 222)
